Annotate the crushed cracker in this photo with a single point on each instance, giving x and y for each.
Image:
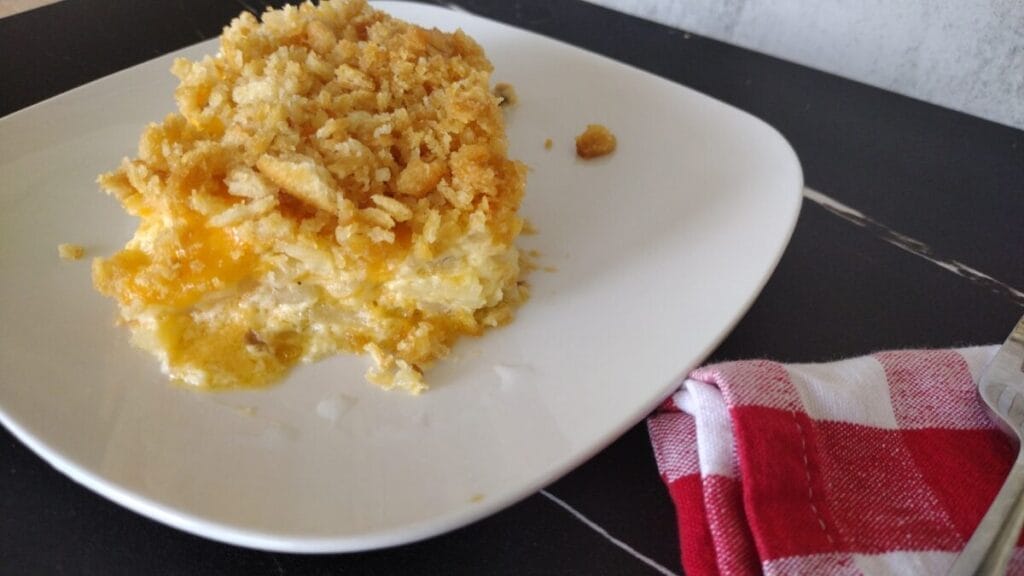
(595, 141)
(70, 251)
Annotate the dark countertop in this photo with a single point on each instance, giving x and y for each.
(929, 252)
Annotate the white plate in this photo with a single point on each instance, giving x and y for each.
(660, 248)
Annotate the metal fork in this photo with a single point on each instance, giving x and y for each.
(1002, 389)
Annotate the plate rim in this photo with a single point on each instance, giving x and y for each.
(456, 517)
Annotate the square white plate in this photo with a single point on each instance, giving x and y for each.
(659, 249)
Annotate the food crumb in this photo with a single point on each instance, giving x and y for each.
(476, 498)
(507, 93)
(70, 251)
(528, 228)
(595, 141)
(548, 144)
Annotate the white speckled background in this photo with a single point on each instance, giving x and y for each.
(963, 54)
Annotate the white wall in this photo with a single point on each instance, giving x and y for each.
(967, 55)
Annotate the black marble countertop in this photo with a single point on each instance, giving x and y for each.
(911, 235)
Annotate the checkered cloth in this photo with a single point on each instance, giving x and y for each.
(882, 464)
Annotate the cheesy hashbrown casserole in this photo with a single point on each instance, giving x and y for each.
(335, 180)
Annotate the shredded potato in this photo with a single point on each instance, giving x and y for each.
(334, 180)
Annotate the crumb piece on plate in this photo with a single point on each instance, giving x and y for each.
(70, 251)
(334, 180)
(548, 144)
(507, 93)
(595, 141)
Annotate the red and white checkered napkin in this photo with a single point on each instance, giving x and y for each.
(882, 464)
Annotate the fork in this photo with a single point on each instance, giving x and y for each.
(1002, 390)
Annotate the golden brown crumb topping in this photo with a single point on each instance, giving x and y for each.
(335, 179)
(595, 141)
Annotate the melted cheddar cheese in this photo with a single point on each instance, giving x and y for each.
(335, 180)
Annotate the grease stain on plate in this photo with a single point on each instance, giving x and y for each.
(334, 407)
